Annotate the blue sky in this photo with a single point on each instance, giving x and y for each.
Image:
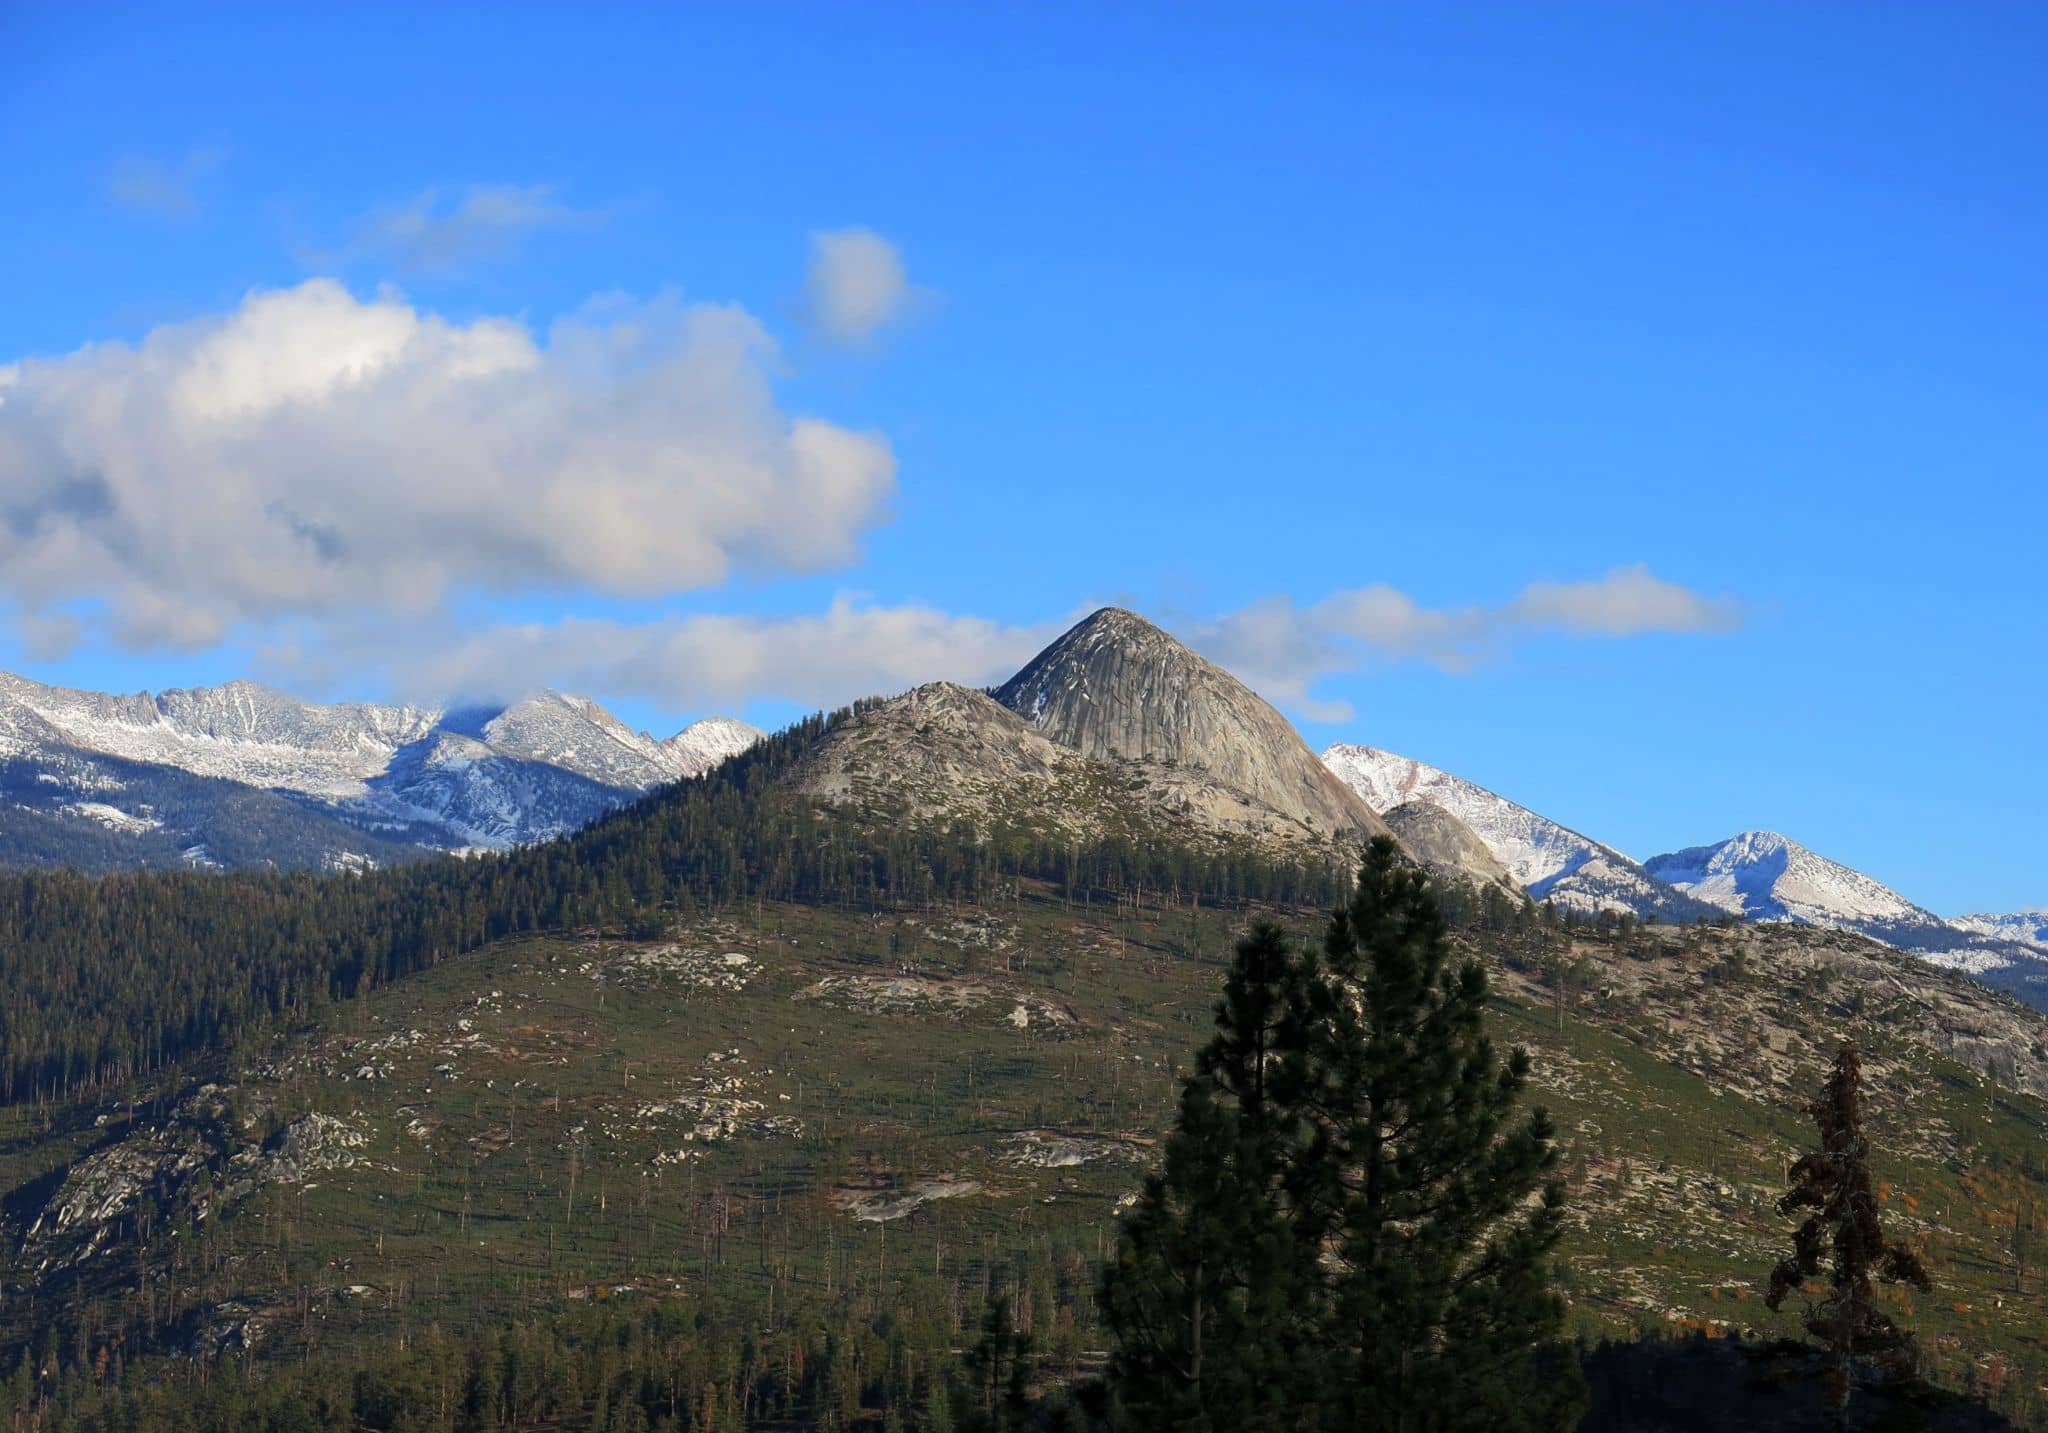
(1719, 324)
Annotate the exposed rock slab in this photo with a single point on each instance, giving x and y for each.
(1447, 848)
(945, 753)
(1115, 686)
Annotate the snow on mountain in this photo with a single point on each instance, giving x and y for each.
(1768, 877)
(1759, 875)
(486, 797)
(113, 817)
(239, 731)
(2027, 927)
(701, 745)
(419, 775)
(1552, 862)
(578, 735)
(1764, 876)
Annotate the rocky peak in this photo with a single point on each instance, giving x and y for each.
(1552, 862)
(948, 701)
(708, 743)
(1115, 686)
(1447, 848)
(1766, 876)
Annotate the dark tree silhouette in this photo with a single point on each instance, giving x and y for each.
(1843, 1237)
(1445, 1207)
(1208, 1300)
(1353, 1225)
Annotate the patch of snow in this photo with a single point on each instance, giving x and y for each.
(2029, 927)
(1551, 861)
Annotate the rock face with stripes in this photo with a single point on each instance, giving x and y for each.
(1116, 688)
(943, 754)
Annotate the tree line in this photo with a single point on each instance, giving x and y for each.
(1351, 1227)
(106, 978)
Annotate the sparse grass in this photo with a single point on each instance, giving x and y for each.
(650, 1119)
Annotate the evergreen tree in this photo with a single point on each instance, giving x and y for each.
(1206, 1298)
(1442, 1207)
(1197, 1299)
(1352, 1225)
(1843, 1236)
(999, 1369)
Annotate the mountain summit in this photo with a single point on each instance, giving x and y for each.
(1766, 876)
(1552, 862)
(1115, 686)
(241, 774)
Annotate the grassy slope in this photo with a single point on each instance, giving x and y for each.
(493, 1077)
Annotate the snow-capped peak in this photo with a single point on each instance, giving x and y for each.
(710, 742)
(1768, 876)
(491, 778)
(575, 732)
(1553, 862)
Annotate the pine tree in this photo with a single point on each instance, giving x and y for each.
(999, 1368)
(1441, 1200)
(1205, 1300)
(1351, 1228)
(1843, 1236)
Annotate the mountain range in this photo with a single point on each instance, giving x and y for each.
(242, 775)
(890, 999)
(1116, 728)
(1756, 875)
(1552, 862)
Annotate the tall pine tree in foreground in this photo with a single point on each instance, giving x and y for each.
(1844, 1238)
(1445, 1210)
(1352, 1226)
(1206, 1297)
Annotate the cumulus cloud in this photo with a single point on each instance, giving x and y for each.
(168, 190)
(313, 453)
(856, 285)
(437, 232)
(854, 648)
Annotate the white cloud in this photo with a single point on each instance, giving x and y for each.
(166, 190)
(487, 221)
(852, 649)
(856, 285)
(855, 648)
(1285, 650)
(312, 453)
(1627, 601)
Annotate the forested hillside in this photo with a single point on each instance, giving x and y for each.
(737, 1108)
(104, 979)
(763, 1159)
